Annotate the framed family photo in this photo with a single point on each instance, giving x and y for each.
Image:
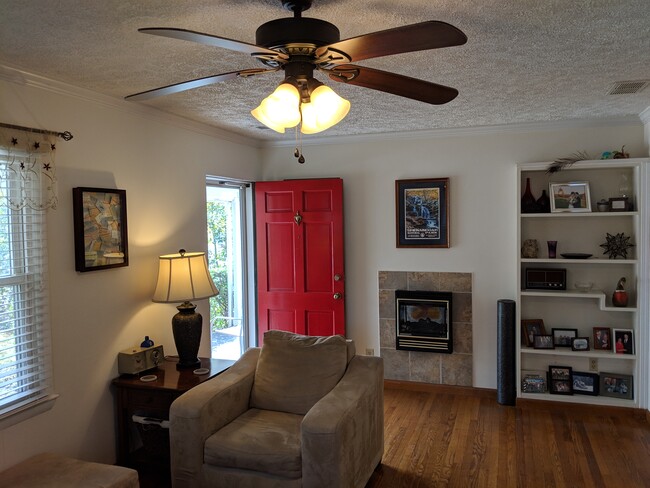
(617, 385)
(623, 341)
(100, 232)
(570, 197)
(529, 329)
(560, 380)
(580, 344)
(422, 212)
(543, 341)
(533, 381)
(602, 338)
(563, 337)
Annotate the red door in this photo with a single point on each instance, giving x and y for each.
(300, 269)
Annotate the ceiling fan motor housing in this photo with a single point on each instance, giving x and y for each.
(281, 32)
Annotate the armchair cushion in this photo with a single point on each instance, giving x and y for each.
(295, 371)
(259, 440)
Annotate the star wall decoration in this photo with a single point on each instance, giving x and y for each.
(617, 245)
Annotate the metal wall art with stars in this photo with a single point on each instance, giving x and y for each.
(617, 245)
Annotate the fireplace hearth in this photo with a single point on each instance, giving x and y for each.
(423, 321)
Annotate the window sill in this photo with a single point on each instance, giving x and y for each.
(25, 412)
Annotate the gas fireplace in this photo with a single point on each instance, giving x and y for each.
(423, 321)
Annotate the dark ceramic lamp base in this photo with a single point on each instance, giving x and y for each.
(186, 326)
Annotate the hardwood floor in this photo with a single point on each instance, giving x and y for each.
(461, 437)
(438, 436)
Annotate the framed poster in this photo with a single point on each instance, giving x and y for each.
(422, 212)
(100, 235)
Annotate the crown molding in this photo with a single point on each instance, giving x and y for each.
(17, 76)
(645, 116)
(467, 131)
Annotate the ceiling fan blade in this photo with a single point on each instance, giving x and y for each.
(415, 37)
(400, 85)
(210, 40)
(199, 82)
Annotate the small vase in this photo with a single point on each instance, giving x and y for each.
(619, 298)
(544, 203)
(552, 249)
(528, 202)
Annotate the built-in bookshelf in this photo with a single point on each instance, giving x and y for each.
(581, 232)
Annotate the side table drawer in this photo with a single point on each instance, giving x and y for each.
(151, 401)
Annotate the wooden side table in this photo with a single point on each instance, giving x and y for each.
(138, 445)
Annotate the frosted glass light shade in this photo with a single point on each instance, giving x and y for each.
(281, 109)
(325, 110)
(183, 277)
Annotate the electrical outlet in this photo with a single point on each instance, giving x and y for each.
(370, 351)
(593, 364)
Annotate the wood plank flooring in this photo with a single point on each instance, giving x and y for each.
(461, 437)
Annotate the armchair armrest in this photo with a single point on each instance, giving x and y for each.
(343, 434)
(203, 410)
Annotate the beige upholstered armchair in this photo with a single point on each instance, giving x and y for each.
(299, 412)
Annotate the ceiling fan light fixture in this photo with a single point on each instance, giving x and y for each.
(281, 109)
(325, 110)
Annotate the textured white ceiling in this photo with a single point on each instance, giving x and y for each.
(525, 60)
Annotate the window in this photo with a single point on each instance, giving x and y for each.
(25, 362)
(227, 259)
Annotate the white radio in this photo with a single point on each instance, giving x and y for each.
(138, 359)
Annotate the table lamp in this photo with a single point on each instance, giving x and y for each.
(183, 277)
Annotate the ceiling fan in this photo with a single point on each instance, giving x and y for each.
(300, 45)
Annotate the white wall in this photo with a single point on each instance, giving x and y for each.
(94, 315)
(482, 172)
(162, 167)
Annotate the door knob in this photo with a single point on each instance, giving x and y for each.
(337, 296)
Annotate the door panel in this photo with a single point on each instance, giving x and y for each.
(300, 265)
(318, 261)
(281, 264)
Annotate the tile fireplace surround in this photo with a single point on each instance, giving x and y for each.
(427, 367)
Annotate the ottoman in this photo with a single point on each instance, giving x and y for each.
(53, 471)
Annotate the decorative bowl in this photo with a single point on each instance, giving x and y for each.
(584, 286)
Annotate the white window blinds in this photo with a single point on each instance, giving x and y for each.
(25, 362)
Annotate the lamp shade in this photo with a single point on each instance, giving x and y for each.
(325, 110)
(280, 110)
(183, 277)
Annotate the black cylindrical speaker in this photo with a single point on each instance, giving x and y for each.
(506, 361)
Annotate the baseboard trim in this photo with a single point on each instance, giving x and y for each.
(521, 402)
(443, 389)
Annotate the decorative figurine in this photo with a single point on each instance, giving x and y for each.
(603, 205)
(617, 245)
(529, 249)
(619, 298)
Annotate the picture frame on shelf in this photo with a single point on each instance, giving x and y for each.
(602, 339)
(100, 228)
(530, 328)
(619, 204)
(623, 341)
(560, 381)
(586, 383)
(534, 381)
(580, 344)
(572, 196)
(562, 337)
(617, 385)
(422, 213)
(543, 341)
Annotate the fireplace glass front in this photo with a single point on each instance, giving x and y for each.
(423, 321)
